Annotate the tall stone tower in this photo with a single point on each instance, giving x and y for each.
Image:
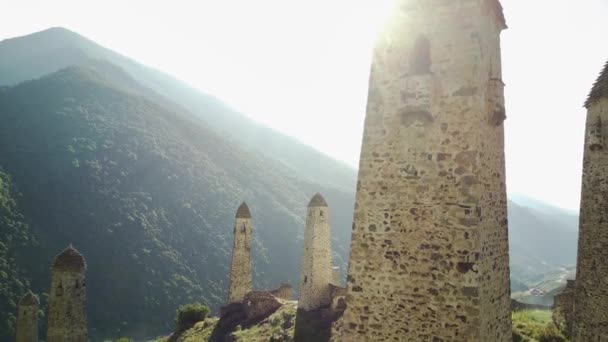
(317, 273)
(429, 252)
(240, 270)
(591, 286)
(27, 318)
(67, 316)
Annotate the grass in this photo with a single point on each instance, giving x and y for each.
(277, 327)
(535, 326)
(200, 332)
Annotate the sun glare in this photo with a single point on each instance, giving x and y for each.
(375, 14)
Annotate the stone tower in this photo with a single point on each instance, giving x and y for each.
(429, 253)
(591, 286)
(240, 269)
(563, 308)
(27, 318)
(67, 316)
(317, 272)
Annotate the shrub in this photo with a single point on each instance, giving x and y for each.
(551, 334)
(188, 315)
(535, 326)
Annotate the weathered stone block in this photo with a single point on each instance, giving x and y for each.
(259, 304)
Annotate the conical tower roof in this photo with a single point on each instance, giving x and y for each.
(29, 299)
(243, 211)
(497, 7)
(317, 201)
(600, 88)
(70, 260)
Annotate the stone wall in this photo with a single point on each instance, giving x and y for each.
(591, 289)
(338, 297)
(285, 292)
(317, 271)
(429, 253)
(240, 269)
(563, 308)
(67, 315)
(27, 318)
(259, 304)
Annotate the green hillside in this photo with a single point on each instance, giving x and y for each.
(40, 53)
(15, 236)
(146, 193)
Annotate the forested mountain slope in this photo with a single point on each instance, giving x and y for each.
(40, 53)
(148, 195)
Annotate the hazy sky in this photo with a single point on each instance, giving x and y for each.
(302, 67)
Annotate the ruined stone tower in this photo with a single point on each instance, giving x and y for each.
(27, 318)
(563, 308)
(317, 271)
(429, 253)
(67, 316)
(240, 269)
(591, 286)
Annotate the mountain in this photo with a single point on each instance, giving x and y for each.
(38, 54)
(148, 194)
(144, 174)
(542, 239)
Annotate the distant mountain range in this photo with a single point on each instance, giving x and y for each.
(143, 174)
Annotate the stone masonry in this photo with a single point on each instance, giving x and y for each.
(591, 286)
(27, 318)
(429, 253)
(317, 272)
(563, 308)
(67, 316)
(285, 292)
(240, 269)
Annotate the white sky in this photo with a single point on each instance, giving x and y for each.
(302, 67)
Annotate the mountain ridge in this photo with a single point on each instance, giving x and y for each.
(53, 44)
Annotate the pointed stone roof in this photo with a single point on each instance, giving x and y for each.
(600, 88)
(497, 7)
(317, 201)
(30, 299)
(70, 260)
(243, 211)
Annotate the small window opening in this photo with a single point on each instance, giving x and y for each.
(305, 279)
(421, 56)
(243, 228)
(321, 213)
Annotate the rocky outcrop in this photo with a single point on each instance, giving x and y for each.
(259, 304)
